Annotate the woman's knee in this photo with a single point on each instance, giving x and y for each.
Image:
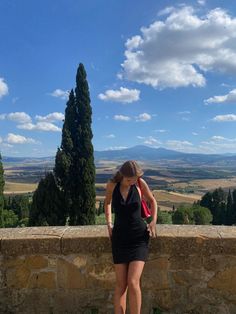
(133, 284)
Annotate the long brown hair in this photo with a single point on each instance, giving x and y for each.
(129, 169)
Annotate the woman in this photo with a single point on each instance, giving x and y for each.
(130, 234)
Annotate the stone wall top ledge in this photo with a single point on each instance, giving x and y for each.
(67, 239)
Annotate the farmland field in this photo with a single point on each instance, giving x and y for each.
(170, 185)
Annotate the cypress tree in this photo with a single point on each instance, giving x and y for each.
(234, 208)
(229, 210)
(2, 183)
(48, 203)
(74, 166)
(82, 211)
(64, 157)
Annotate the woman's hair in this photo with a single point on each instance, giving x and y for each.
(129, 169)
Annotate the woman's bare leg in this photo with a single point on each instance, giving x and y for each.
(121, 271)
(135, 297)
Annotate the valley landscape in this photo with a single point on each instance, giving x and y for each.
(174, 177)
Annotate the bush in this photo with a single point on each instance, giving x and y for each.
(202, 215)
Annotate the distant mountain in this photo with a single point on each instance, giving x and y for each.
(145, 154)
(26, 160)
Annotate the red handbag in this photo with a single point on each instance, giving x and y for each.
(145, 211)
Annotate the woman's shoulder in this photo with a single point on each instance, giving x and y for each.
(111, 185)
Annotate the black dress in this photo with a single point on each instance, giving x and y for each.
(130, 236)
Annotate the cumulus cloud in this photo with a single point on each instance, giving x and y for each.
(116, 148)
(121, 117)
(123, 95)
(180, 49)
(143, 117)
(51, 117)
(179, 145)
(59, 93)
(152, 141)
(3, 88)
(40, 126)
(228, 98)
(20, 117)
(219, 144)
(225, 118)
(18, 139)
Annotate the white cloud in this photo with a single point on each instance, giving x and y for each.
(116, 148)
(180, 49)
(59, 93)
(184, 112)
(0, 139)
(121, 118)
(40, 126)
(140, 137)
(18, 139)
(152, 141)
(3, 116)
(124, 95)
(20, 117)
(218, 138)
(228, 98)
(160, 131)
(219, 144)
(51, 117)
(143, 117)
(201, 2)
(179, 145)
(225, 118)
(110, 136)
(3, 88)
(195, 133)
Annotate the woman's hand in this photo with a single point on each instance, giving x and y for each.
(109, 228)
(151, 227)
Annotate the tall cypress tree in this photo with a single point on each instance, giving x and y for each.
(64, 157)
(74, 167)
(229, 210)
(82, 211)
(2, 183)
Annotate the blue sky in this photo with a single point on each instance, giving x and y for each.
(161, 73)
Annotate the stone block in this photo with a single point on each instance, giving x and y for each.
(42, 280)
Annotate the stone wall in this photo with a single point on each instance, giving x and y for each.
(191, 269)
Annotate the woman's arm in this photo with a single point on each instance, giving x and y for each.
(107, 206)
(147, 194)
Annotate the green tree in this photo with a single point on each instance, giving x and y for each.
(183, 215)
(10, 219)
(229, 210)
(201, 215)
(164, 217)
(20, 205)
(65, 154)
(74, 167)
(2, 183)
(234, 207)
(47, 205)
(218, 206)
(216, 202)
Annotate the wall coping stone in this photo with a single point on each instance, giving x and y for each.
(171, 239)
